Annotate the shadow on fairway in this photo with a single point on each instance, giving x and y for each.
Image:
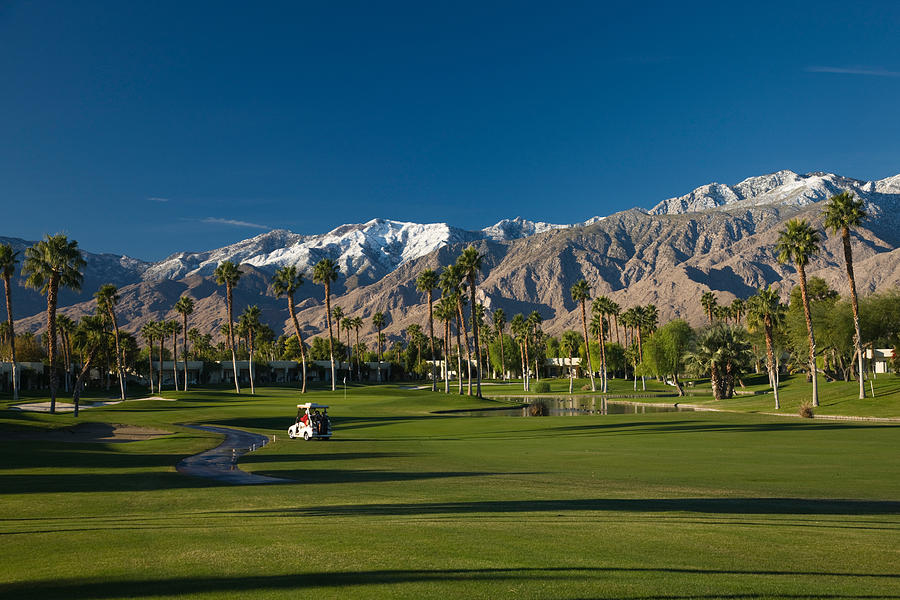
(304, 475)
(305, 458)
(92, 588)
(776, 506)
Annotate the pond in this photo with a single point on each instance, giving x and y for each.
(573, 406)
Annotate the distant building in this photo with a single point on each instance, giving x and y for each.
(880, 359)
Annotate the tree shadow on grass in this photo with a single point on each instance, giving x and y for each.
(695, 426)
(771, 506)
(94, 588)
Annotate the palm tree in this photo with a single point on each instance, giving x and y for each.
(107, 298)
(184, 307)
(426, 282)
(228, 274)
(148, 332)
(709, 302)
(52, 262)
(378, 321)
(451, 282)
(445, 311)
(173, 328)
(347, 322)
(797, 243)
(66, 327)
(159, 328)
(533, 325)
(599, 309)
(499, 326)
(519, 328)
(324, 273)
(738, 309)
(8, 260)
(615, 310)
(357, 323)
(766, 310)
(90, 339)
(251, 324)
(286, 281)
(569, 344)
(843, 212)
(337, 313)
(723, 351)
(581, 293)
(470, 267)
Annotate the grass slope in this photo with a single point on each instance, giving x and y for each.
(410, 504)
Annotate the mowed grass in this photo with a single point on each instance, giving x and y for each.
(409, 502)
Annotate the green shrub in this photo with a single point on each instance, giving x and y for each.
(541, 387)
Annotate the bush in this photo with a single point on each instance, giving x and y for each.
(539, 408)
(806, 409)
(541, 387)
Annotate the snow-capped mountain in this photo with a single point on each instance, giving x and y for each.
(366, 250)
(784, 188)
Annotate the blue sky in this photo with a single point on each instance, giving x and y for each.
(154, 127)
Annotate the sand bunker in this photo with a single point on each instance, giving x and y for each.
(87, 433)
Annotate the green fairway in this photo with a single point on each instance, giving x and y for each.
(410, 502)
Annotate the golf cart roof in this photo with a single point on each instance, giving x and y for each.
(312, 405)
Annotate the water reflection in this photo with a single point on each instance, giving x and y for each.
(575, 406)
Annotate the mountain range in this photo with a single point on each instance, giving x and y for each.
(717, 237)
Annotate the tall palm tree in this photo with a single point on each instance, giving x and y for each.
(843, 212)
(251, 324)
(615, 310)
(445, 311)
(569, 344)
(581, 293)
(228, 274)
(90, 338)
(470, 267)
(337, 313)
(519, 328)
(148, 332)
(426, 282)
(324, 273)
(499, 326)
(66, 327)
(107, 298)
(347, 322)
(173, 328)
(709, 302)
(766, 310)
(797, 243)
(357, 323)
(8, 260)
(599, 310)
(52, 262)
(533, 325)
(161, 333)
(184, 307)
(286, 281)
(378, 321)
(451, 282)
(738, 308)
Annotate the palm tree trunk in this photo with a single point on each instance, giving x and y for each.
(462, 325)
(250, 342)
(162, 341)
(641, 356)
(330, 334)
(119, 367)
(854, 301)
(431, 335)
(616, 319)
(175, 358)
(770, 361)
(587, 347)
(447, 357)
(293, 314)
(237, 386)
(475, 342)
(12, 339)
(184, 333)
(502, 358)
(812, 339)
(52, 289)
(79, 383)
(571, 373)
(150, 361)
(459, 352)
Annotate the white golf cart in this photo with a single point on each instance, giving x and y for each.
(312, 422)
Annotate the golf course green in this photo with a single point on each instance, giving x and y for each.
(412, 500)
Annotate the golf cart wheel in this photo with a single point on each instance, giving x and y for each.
(306, 436)
(290, 434)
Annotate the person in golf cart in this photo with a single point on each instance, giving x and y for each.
(310, 422)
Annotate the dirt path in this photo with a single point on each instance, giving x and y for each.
(219, 463)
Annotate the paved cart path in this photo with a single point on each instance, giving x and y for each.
(219, 463)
